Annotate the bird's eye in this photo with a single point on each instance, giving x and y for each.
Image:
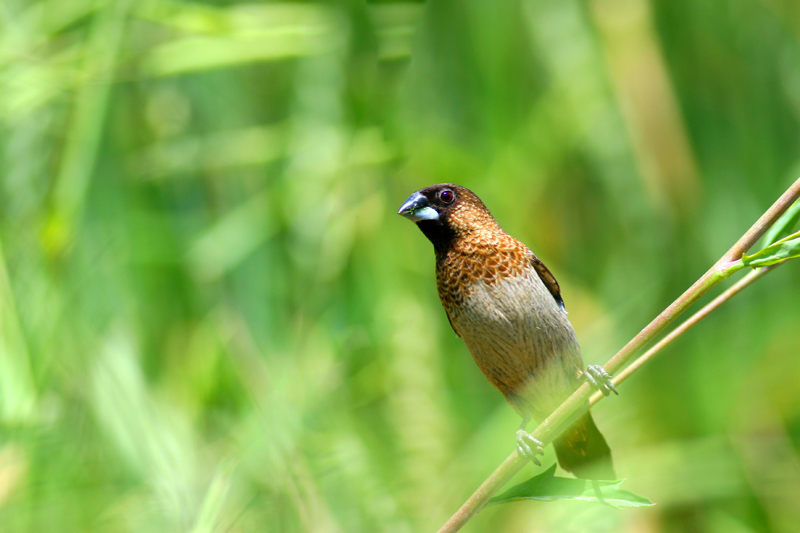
(447, 196)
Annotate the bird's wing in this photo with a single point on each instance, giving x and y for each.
(548, 278)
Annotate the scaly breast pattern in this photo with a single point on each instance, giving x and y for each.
(518, 335)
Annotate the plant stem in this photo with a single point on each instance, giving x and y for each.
(687, 325)
(723, 268)
(577, 404)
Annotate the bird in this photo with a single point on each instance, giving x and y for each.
(506, 306)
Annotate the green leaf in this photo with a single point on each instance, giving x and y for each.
(782, 250)
(549, 488)
(783, 226)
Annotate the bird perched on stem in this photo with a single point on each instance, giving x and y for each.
(507, 307)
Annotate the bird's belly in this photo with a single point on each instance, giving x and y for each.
(522, 341)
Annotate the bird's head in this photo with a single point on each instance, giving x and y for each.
(445, 212)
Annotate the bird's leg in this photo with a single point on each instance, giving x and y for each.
(528, 446)
(599, 379)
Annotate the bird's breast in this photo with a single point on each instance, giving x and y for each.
(520, 338)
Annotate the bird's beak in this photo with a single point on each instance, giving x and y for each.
(417, 208)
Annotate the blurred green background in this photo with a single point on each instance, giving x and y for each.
(211, 318)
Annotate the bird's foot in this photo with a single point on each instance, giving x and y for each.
(529, 447)
(599, 379)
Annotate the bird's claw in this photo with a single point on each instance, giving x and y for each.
(599, 379)
(529, 447)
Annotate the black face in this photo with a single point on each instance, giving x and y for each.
(442, 198)
(431, 209)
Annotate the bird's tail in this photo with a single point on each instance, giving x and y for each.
(583, 451)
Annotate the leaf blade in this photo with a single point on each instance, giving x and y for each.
(782, 250)
(783, 226)
(547, 487)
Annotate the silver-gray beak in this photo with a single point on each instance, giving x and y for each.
(418, 208)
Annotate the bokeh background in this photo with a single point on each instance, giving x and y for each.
(211, 318)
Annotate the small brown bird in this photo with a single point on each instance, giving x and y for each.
(507, 307)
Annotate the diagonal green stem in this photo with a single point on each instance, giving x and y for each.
(686, 326)
(579, 402)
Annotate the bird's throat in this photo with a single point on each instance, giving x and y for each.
(441, 236)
